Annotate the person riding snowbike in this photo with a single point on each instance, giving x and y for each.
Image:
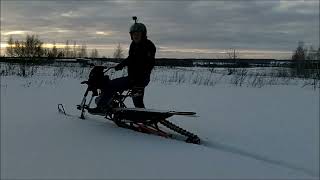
(139, 63)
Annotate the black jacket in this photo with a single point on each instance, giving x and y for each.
(140, 62)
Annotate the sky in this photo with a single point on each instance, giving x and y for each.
(179, 29)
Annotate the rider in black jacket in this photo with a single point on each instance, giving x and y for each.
(140, 63)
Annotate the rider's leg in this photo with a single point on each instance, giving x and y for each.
(138, 100)
(140, 87)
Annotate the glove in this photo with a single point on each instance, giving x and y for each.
(118, 67)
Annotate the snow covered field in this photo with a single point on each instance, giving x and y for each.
(249, 133)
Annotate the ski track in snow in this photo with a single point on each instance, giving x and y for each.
(234, 150)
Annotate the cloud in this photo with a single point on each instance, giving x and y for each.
(70, 14)
(300, 4)
(195, 25)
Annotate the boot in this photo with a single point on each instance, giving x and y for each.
(98, 110)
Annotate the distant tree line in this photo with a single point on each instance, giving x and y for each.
(303, 53)
(33, 47)
(306, 62)
(118, 52)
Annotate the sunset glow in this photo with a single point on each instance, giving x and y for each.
(14, 33)
(211, 53)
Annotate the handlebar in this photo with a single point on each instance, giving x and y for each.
(108, 68)
(104, 67)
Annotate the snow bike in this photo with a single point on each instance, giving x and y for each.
(137, 119)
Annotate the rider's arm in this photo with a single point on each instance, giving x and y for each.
(150, 59)
(122, 64)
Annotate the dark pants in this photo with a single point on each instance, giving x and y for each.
(119, 85)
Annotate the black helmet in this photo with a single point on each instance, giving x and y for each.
(138, 27)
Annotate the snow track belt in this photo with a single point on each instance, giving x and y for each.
(191, 138)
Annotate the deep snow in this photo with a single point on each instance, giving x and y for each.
(270, 132)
